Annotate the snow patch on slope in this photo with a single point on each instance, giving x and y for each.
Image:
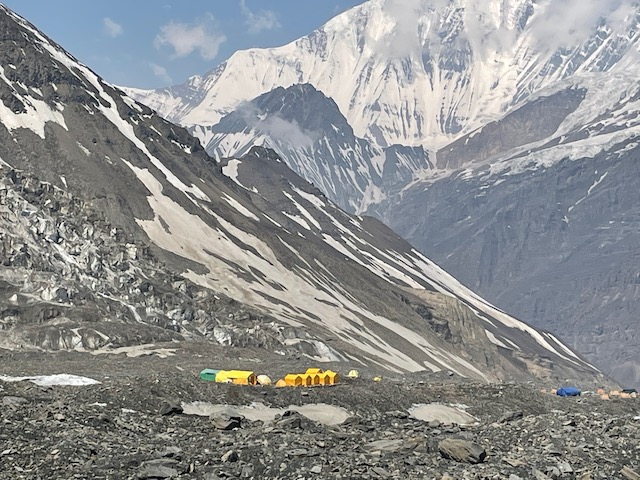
(239, 207)
(36, 116)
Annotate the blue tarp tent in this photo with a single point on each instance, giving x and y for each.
(568, 392)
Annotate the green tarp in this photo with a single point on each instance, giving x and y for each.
(209, 374)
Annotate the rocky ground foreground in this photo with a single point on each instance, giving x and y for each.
(134, 424)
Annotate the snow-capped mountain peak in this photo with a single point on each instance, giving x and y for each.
(420, 72)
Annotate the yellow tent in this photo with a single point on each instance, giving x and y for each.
(353, 374)
(329, 378)
(312, 377)
(239, 377)
(315, 377)
(281, 383)
(293, 379)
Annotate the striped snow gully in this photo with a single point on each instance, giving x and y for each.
(595, 184)
(449, 285)
(239, 207)
(492, 338)
(336, 245)
(299, 220)
(84, 149)
(405, 269)
(309, 197)
(566, 349)
(303, 211)
(275, 223)
(427, 271)
(515, 347)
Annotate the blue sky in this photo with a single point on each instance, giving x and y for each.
(154, 43)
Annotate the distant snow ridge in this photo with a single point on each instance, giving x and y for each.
(421, 72)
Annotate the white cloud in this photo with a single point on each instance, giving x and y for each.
(567, 22)
(161, 73)
(400, 36)
(555, 24)
(262, 20)
(186, 38)
(277, 127)
(113, 29)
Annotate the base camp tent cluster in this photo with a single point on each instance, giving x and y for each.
(313, 376)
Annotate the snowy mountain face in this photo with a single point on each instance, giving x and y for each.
(116, 228)
(421, 72)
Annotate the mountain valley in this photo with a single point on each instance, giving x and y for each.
(501, 149)
(118, 229)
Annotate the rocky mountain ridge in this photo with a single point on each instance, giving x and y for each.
(311, 135)
(109, 207)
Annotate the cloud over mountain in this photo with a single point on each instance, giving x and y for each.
(185, 39)
(259, 21)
